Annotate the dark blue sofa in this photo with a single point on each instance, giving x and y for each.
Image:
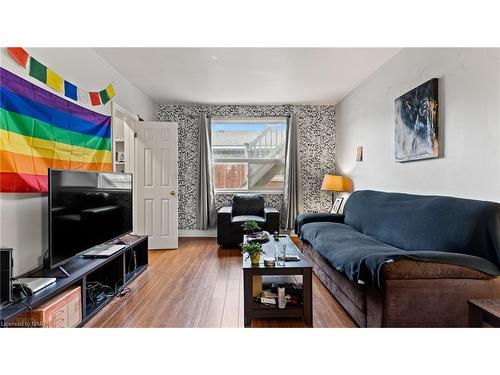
(408, 260)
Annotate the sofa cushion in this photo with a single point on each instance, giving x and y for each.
(237, 221)
(242, 218)
(351, 296)
(343, 246)
(248, 204)
(411, 269)
(428, 223)
(360, 256)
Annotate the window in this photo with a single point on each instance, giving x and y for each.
(248, 155)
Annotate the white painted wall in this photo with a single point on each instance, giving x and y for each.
(469, 122)
(22, 217)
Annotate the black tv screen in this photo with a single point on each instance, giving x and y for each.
(86, 209)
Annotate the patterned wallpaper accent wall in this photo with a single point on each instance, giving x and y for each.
(316, 147)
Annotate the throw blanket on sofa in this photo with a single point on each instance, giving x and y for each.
(360, 257)
(380, 227)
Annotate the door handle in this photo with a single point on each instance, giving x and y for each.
(172, 192)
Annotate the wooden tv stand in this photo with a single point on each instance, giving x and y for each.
(116, 271)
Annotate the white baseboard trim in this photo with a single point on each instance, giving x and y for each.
(198, 233)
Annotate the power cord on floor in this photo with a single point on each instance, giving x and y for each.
(120, 293)
(123, 292)
(96, 289)
(27, 304)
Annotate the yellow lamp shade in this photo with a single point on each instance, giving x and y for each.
(335, 183)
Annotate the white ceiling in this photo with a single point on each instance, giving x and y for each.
(246, 75)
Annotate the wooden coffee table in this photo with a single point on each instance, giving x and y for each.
(302, 267)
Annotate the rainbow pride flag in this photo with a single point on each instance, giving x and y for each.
(40, 130)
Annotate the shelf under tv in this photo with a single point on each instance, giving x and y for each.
(117, 270)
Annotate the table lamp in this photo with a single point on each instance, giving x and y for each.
(335, 183)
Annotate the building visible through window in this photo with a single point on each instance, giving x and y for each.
(248, 155)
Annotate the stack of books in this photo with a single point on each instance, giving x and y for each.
(293, 294)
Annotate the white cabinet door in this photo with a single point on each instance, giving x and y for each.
(156, 183)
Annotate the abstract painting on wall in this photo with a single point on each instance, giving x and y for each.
(416, 128)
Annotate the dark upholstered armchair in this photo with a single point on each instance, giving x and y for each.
(245, 207)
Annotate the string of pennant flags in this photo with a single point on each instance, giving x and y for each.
(50, 78)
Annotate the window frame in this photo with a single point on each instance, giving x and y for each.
(248, 161)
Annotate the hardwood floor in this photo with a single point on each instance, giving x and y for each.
(200, 285)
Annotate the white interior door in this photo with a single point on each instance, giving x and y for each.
(156, 183)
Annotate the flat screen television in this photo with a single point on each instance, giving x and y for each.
(86, 209)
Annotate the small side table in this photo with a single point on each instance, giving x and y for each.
(484, 311)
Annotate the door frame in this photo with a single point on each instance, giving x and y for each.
(117, 111)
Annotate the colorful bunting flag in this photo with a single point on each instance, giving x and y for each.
(55, 81)
(104, 96)
(70, 91)
(47, 76)
(110, 90)
(19, 55)
(94, 98)
(38, 70)
(83, 96)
